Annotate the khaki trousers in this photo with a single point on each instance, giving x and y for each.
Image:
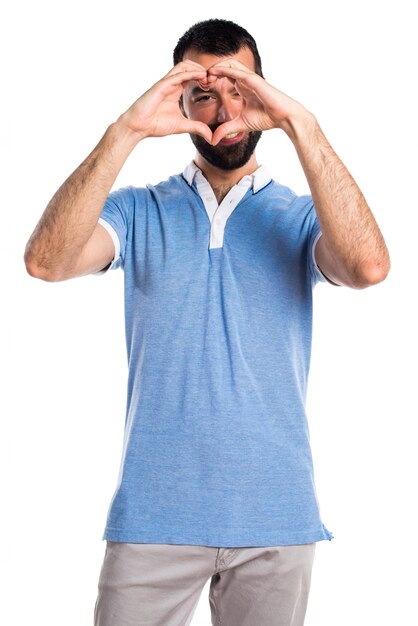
(145, 584)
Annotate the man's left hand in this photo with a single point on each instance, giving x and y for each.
(264, 107)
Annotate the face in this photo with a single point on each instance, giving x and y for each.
(216, 106)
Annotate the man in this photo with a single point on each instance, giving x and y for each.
(216, 476)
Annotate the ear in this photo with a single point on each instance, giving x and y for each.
(181, 105)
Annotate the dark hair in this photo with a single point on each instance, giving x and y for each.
(219, 37)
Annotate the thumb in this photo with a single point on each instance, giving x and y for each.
(233, 126)
(197, 128)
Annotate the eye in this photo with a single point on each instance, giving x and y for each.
(204, 98)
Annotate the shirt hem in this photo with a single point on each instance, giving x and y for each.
(229, 539)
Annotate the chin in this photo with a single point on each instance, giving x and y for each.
(230, 155)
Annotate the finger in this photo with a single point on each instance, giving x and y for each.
(178, 78)
(186, 65)
(203, 84)
(233, 126)
(197, 128)
(248, 83)
(232, 69)
(211, 79)
(231, 62)
(186, 75)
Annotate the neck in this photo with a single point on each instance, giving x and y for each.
(220, 180)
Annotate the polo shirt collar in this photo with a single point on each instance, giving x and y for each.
(257, 180)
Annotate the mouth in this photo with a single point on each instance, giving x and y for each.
(231, 139)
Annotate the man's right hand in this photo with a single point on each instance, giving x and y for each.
(157, 112)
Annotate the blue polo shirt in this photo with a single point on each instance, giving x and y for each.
(218, 308)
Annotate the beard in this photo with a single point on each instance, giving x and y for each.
(228, 157)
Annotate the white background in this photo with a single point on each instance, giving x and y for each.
(70, 69)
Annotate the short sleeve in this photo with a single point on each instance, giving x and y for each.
(116, 218)
(317, 275)
(314, 235)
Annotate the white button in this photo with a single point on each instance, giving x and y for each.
(209, 199)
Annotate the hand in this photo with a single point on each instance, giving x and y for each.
(157, 112)
(263, 106)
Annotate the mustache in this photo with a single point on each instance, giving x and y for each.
(216, 125)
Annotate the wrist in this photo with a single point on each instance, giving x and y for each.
(124, 134)
(301, 126)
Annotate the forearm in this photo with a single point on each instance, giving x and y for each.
(72, 214)
(351, 234)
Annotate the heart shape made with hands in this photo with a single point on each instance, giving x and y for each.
(252, 115)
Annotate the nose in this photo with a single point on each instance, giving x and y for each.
(228, 109)
(225, 113)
